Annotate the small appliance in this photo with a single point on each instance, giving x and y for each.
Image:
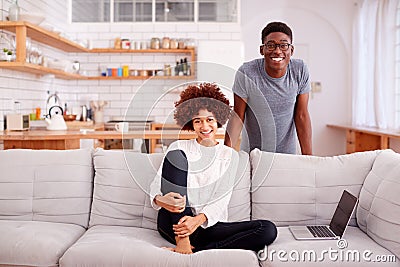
(17, 122)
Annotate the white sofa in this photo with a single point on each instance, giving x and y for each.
(49, 215)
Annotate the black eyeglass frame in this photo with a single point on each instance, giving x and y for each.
(277, 45)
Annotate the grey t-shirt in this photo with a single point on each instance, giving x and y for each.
(270, 102)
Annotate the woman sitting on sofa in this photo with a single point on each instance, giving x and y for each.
(194, 184)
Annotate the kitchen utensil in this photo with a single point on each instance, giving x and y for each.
(122, 127)
(84, 113)
(55, 122)
(69, 117)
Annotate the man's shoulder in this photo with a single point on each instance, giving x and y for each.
(297, 63)
(250, 65)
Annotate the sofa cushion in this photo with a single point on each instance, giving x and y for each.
(297, 189)
(122, 182)
(35, 243)
(357, 249)
(46, 185)
(378, 212)
(133, 246)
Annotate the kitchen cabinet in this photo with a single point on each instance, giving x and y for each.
(360, 138)
(22, 30)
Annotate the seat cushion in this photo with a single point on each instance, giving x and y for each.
(122, 182)
(297, 189)
(378, 212)
(35, 243)
(132, 246)
(46, 185)
(360, 251)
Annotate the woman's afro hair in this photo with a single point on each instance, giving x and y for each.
(202, 96)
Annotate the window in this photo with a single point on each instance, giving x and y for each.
(220, 11)
(397, 117)
(174, 10)
(132, 10)
(154, 10)
(90, 10)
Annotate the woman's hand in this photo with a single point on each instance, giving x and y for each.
(188, 224)
(173, 202)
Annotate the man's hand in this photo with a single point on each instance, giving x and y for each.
(188, 224)
(173, 202)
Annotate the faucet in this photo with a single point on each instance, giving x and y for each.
(56, 102)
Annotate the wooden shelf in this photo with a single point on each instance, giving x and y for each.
(109, 78)
(23, 30)
(40, 70)
(43, 36)
(160, 51)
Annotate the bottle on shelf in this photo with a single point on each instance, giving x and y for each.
(177, 68)
(180, 68)
(185, 66)
(14, 11)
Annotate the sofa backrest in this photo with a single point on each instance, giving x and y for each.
(378, 212)
(122, 182)
(296, 189)
(46, 185)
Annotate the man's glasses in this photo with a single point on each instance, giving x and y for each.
(273, 46)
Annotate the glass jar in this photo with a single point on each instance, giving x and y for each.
(167, 70)
(181, 44)
(155, 43)
(165, 43)
(14, 11)
(125, 44)
(173, 44)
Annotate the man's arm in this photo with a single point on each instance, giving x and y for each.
(235, 123)
(303, 124)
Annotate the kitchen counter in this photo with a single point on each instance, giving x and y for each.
(43, 139)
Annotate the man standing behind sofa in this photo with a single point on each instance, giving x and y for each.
(272, 91)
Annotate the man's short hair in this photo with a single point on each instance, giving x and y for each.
(276, 27)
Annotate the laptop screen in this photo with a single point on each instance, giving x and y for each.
(343, 212)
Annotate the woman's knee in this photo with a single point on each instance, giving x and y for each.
(178, 159)
(174, 172)
(269, 231)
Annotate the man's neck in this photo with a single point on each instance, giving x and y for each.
(275, 73)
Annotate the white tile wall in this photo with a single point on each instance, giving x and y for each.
(148, 96)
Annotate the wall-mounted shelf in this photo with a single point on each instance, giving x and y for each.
(108, 78)
(24, 30)
(39, 70)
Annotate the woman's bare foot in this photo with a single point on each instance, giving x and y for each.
(168, 248)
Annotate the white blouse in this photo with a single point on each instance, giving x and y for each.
(210, 181)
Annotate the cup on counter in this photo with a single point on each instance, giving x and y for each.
(122, 127)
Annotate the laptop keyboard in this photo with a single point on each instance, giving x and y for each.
(320, 231)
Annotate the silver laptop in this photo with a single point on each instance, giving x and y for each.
(336, 228)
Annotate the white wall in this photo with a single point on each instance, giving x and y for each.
(149, 97)
(322, 33)
(322, 36)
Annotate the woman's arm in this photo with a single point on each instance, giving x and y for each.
(188, 224)
(172, 202)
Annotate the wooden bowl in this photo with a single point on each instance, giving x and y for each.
(69, 117)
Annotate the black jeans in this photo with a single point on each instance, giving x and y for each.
(251, 235)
